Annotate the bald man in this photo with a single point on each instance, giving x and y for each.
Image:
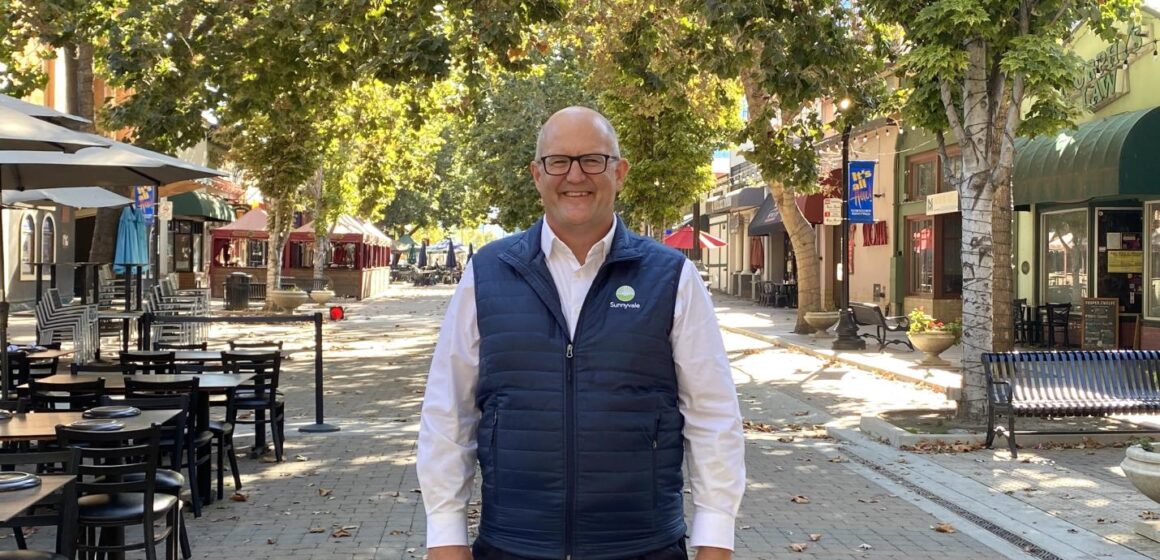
(579, 363)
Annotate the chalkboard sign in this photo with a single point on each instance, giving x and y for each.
(1101, 323)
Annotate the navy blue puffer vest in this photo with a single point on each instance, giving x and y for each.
(580, 440)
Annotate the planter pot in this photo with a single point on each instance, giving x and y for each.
(821, 321)
(1143, 469)
(932, 344)
(321, 297)
(287, 300)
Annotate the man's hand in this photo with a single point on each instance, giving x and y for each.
(458, 553)
(711, 553)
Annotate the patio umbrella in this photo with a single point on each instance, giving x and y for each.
(422, 260)
(47, 114)
(76, 197)
(470, 252)
(132, 239)
(451, 257)
(19, 131)
(683, 239)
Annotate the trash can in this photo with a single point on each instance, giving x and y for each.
(237, 291)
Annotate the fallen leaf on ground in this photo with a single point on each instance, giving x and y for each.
(800, 500)
(757, 426)
(339, 533)
(1148, 515)
(865, 546)
(798, 547)
(316, 530)
(324, 491)
(838, 459)
(815, 537)
(271, 541)
(785, 439)
(944, 527)
(239, 497)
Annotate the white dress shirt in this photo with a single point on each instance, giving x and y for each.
(707, 398)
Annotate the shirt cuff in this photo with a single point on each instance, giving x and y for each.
(447, 529)
(713, 529)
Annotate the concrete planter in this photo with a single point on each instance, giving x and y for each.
(321, 297)
(287, 300)
(821, 321)
(1143, 469)
(932, 344)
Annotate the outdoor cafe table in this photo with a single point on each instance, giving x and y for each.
(49, 354)
(16, 501)
(208, 384)
(41, 426)
(202, 356)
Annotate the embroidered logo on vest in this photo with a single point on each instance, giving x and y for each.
(625, 294)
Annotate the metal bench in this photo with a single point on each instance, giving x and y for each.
(1069, 383)
(869, 314)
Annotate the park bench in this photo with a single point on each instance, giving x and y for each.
(869, 314)
(1069, 384)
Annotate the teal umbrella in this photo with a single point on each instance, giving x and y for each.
(132, 239)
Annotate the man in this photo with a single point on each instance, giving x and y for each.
(581, 362)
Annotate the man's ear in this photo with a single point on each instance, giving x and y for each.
(621, 172)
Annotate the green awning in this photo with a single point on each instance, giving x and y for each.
(202, 204)
(1110, 157)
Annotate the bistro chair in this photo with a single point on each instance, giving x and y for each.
(61, 508)
(117, 482)
(1019, 320)
(1057, 320)
(74, 396)
(149, 363)
(190, 346)
(259, 396)
(255, 345)
(196, 443)
(223, 432)
(97, 368)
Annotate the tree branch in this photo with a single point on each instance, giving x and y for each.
(948, 100)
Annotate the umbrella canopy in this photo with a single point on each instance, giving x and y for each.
(422, 260)
(404, 243)
(19, 131)
(132, 239)
(683, 239)
(77, 197)
(41, 112)
(451, 260)
(99, 167)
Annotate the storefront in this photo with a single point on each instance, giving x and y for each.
(730, 211)
(194, 214)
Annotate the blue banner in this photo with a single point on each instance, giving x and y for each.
(145, 199)
(861, 192)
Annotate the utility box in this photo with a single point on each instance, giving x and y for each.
(237, 291)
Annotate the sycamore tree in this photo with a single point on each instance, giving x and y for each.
(985, 73)
(787, 56)
(270, 73)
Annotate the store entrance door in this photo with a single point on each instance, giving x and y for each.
(1120, 256)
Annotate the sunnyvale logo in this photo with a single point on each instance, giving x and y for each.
(625, 294)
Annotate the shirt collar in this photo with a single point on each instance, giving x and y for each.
(549, 242)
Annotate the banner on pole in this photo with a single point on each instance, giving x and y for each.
(145, 198)
(861, 192)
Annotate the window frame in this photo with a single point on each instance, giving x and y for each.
(1150, 208)
(1041, 249)
(910, 260)
(51, 221)
(30, 274)
(940, 185)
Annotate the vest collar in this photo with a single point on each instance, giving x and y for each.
(528, 250)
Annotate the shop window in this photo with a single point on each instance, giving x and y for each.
(186, 238)
(47, 240)
(1120, 256)
(27, 245)
(920, 257)
(925, 173)
(301, 254)
(1065, 263)
(1152, 256)
(950, 253)
(256, 253)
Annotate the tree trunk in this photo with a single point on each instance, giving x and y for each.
(281, 215)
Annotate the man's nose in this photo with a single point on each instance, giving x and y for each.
(575, 173)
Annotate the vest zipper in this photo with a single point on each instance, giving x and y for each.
(569, 456)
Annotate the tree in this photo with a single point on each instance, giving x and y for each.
(268, 73)
(788, 55)
(987, 72)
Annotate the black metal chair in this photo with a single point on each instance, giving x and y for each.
(61, 508)
(76, 395)
(255, 345)
(97, 368)
(1019, 320)
(223, 431)
(1057, 319)
(151, 363)
(117, 482)
(259, 396)
(194, 346)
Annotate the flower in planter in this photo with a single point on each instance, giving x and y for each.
(920, 322)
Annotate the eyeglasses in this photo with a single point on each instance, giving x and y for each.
(590, 164)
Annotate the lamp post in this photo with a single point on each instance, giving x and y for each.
(848, 338)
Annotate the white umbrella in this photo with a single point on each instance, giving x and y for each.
(77, 197)
(41, 112)
(22, 132)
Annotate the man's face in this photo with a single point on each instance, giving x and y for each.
(577, 202)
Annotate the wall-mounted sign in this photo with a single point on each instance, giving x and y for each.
(1104, 77)
(861, 192)
(942, 203)
(165, 210)
(832, 212)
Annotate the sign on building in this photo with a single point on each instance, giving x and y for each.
(832, 212)
(145, 199)
(942, 203)
(861, 192)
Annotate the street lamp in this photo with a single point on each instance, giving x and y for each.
(848, 338)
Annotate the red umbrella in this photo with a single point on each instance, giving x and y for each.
(683, 239)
